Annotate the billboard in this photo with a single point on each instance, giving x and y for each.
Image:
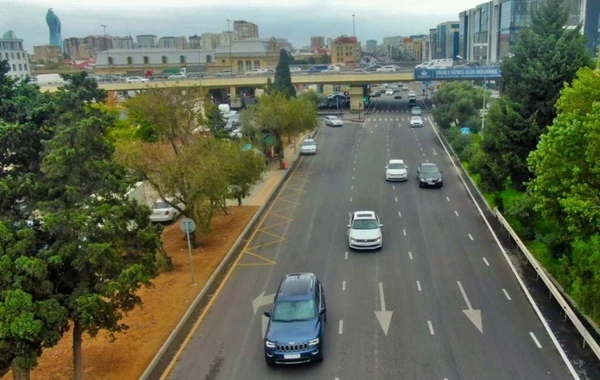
(489, 72)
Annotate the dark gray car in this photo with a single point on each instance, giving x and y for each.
(429, 175)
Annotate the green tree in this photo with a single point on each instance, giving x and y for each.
(546, 56)
(283, 77)
(583, 273)
(458, 103)
(214, 120)
(246, 171)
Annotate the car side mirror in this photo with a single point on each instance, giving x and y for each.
(268, 314)
(349, 226)
(381, 225)
(323, 310)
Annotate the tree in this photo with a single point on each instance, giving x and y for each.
(458, 103)
(546, 56)
(214, 120)
(283, 77)
(247, 168)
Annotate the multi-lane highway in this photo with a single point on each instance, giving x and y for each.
(448, 305)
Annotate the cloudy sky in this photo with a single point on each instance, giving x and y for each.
(296, 20)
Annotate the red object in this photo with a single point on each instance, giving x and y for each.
(283, 165)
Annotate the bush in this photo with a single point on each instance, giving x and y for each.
(519, 208)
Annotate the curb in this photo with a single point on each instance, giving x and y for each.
(155, 369)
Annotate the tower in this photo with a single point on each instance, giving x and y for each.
(54, 27)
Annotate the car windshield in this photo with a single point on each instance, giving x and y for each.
(365, 224)
(396, 166)
(430, 169)
(308, 143)
(160, 205)
(291, 311)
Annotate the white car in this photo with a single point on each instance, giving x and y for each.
(416, 122)
(136, 80)
(333, 121)
(163, 211)
(387, 69)
(404, 88)
(396, 170)
(389, 92)
(295, 69)
(364, 230)
(257, 72)
(177, 76)
(309, 146)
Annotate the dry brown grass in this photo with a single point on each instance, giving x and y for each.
(164, 305)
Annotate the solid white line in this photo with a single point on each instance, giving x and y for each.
(344, 286)
(537, 342)
(346, 255)
(446, 197)
(471, 237)
(419, 285)
(506, 294)
(430, 328)
(510, 263)
(396, 198)
(341, 328)
(456, 212)
(486, 262)
(410, 254)
(404, 232)
(399, 214)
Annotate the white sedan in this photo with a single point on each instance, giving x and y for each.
(333, 121)
(396, 170)
(136, 80)
(387, 69)
(257, 72)
(364, 230)
(309, 146)
(163, 212)
(177, 76)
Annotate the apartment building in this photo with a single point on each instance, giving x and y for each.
(11, 50)
(345, 50)
(244, 29)
(317, 42)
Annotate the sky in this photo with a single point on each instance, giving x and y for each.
(295, 20)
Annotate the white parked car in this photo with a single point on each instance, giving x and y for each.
(396, 170)
(309, 146)
(364, 230)
(333, 121)
(389, 92)
(136, 80)
(257, 72)
(387, 69)
(163, 212)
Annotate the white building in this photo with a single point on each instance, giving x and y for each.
(11, 50)
(209, 41)
(145, 41)
(172, 43)
(153, 58)
(244, 29)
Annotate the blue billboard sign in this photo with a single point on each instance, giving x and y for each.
(489, 72)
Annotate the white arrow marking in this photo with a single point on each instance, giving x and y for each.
(265, 323)
(473, 315)
(434, 153)
(384, 317)
(262, 300)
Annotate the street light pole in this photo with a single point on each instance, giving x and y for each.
(230, 38)
(353, 26)
(484, 105)
(106, 46)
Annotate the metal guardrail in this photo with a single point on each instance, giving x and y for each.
(550, 284)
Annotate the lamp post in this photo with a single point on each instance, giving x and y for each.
(353, 26)
(230, 38)
(106, 46)
(483, 111)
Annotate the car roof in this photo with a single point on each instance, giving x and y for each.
(416, 117)
(309, 140)
(297, 286)
(428, 164)
(397, 161)
(364, 214)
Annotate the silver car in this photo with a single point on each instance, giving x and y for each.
(364, 231)
(333, 121)
(309, 146)
(416, 122)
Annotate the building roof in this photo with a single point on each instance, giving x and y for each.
(137, 52)
(345, 40)
(10, 35)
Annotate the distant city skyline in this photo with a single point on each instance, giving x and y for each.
(293, 20)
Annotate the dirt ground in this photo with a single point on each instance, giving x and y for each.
(164, 305)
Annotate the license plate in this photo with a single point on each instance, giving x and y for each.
(292, 356)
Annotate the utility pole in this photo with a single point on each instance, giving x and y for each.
(230, 42)
(484, 105)
(353, 27)
(107, 56)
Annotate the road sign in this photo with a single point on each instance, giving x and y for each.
(490, 72)
(465, 131)
(187, 225)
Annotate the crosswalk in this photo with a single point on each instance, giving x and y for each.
(388, 119)
(375, 110)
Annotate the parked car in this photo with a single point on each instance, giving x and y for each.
(296, 325)
(309, 146)
(364, 230)
(429, 175)
(333, 121)
(163, 212)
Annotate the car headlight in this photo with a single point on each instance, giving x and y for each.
(378, 239)
(269, 344)
(313, 342)
(352, 239)
(422, 179)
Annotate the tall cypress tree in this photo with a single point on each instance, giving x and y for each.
(283, 77)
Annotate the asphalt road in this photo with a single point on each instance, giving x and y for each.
(438, 260)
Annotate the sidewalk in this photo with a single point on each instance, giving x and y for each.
(262, 191)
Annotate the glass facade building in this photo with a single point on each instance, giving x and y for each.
(448, 39)
(55, 29)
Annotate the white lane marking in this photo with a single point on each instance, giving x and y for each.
(404, 232)
(471, 237)
(537, 342)
(346, 255)
(426, 160)
(352, 177)
(399, 214)
(394, 187)
(421, 147)
(355, 161)
(410, 254)
(456, 212)
(448, 199)
(341, 328)
(423, 154)
(430, 328)
(350, 199)
(486, 262)
(419, 285)
(353, 169)
(506, 294)
(352, 187)
(510, 263)
(344, 286)
(396, 198)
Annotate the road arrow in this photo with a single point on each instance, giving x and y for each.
(434, 153)
(262, 300)
(384, 317)
(473, 315)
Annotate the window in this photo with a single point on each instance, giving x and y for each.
(164, 60)
(208, 59)
(240, 65)
(257, 64)
(18, 55)
(25, 66)
(130, 60)
(146, 60)
(182, 59)
(12, 55)
(222, 61)
(248, 65)
(20, 67)
(6, 56)
(14, 67)
(111, 61)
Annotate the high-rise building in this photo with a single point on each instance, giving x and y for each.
(122, 43)
(226, 38)
(172, 43)
(55, 29)
(371, 45)
(11, 50)
(588, 13)
(75, 48)
(329, 42)
(447, 39)
(317, 42)
(394, 41)
(195, 42)
(244, 29)
(425, 50)
(345, 50)
(433, 41)
(209, 41)
(146, 41)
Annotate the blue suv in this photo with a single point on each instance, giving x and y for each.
(297, 321)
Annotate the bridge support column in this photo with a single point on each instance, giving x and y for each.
(356, 98)
(232, 92)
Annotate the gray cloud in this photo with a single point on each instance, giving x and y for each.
(28, 22)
